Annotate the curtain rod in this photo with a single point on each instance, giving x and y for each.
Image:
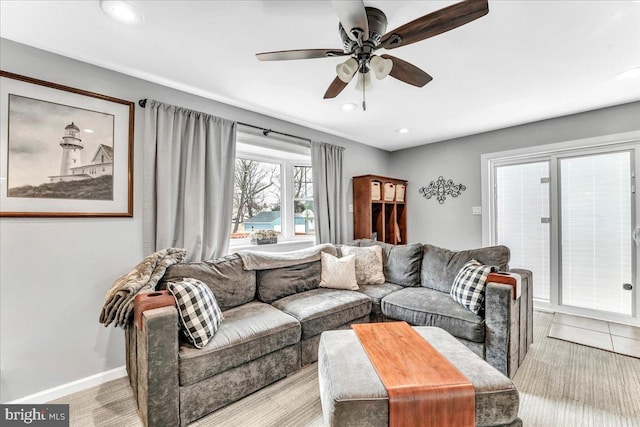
(265, 132)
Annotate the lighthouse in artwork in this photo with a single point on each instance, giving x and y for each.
(71, 167)
(71, 145)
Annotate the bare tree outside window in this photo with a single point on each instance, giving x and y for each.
(303, 209)
(256, 190)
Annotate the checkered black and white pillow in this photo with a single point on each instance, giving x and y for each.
(200, 315)
(468, 286)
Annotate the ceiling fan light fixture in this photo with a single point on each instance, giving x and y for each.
(381, 66)
(347, 69)
(363, 30)
(364, 81)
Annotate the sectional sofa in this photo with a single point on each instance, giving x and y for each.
(273, 319)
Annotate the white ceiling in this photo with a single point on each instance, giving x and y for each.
(524, 61)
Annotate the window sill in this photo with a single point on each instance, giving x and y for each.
(282, 246)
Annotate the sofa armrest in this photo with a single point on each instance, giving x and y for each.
(502, 319)
(526, 310)
(157, 367)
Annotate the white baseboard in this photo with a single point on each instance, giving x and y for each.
(72, 387)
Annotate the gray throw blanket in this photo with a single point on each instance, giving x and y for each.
(254, 260)
(118, 304)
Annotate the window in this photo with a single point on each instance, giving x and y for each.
(273, 189)
(304, 223)
(256, 197)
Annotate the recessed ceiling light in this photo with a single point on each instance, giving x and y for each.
(629, 74)
(121, 11)
(349, 107)
(88, 130)
(402, 130)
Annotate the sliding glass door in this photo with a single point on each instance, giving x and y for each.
(569, 217)
(522, 214)
(595, 231)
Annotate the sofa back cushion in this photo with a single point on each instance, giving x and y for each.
(231, 284)
(440, 266)
(401, 263)
(281, 282)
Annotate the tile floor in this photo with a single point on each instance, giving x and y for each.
(615, 337)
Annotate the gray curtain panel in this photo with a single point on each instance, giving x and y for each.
(189, 168)
(329, 192)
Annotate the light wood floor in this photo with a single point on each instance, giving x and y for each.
(560, 384)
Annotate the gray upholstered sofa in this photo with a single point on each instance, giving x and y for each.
(501, 335)
(273, 319)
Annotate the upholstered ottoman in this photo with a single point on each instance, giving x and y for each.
(353, 395)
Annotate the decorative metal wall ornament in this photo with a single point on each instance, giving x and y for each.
(440, 189)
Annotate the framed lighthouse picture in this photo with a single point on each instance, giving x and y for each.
(65, 152)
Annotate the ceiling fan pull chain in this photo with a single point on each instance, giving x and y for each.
(364, 103)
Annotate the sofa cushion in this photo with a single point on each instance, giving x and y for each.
(247, 332)
(428, 307)
(368, 264)
(226, 277)
(277, 283)
(322, 309)
(468, 286)
(200, 315)
(339, 273)
(401, 263)
(440, 266)
(377, 292)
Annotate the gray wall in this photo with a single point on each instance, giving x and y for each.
(452, 224)
(54, 272)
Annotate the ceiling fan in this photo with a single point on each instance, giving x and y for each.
(362, 30)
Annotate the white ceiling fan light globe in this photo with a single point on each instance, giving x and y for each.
(381, 66)
(347, 69)
(364, 80)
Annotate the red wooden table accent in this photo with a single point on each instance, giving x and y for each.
(424, 388)
(149, 300)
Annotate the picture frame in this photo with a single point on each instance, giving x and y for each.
(64, 152)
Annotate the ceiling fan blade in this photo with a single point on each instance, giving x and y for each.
(408, 73)
(284, 55)
(352, 14)
(335, 88)
(435, 23)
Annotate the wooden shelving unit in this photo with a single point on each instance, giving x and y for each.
(384, 220)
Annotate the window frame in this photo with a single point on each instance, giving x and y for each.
(301, 199)
(287, 233)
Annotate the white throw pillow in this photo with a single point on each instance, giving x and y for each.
(369, 269)
(338, 273)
